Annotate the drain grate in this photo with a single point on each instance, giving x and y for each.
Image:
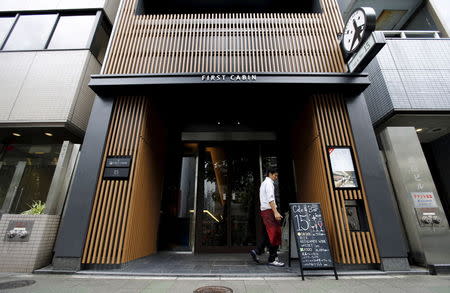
(213, 289)
(16, 284)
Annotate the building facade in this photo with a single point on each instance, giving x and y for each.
(409, 103)
(48, 50)
(193, 105)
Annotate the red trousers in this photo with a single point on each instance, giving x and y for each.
(273, 227)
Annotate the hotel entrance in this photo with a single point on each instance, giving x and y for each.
(216, 207)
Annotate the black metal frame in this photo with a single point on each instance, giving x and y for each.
(358, 181)
(79, 12)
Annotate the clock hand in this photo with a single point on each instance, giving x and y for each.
(357, 35)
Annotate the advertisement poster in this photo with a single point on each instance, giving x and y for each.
(342, 167)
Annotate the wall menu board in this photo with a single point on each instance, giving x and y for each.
(311, 237)
(342, 167)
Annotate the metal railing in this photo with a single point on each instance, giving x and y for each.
(412, 34)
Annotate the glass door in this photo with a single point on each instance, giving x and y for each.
(228, 190)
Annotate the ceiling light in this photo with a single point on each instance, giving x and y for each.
(238, 123)
(48, 134)
(419, 129)
(16, 134)
(218, 122)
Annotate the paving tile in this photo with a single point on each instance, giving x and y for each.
(159, 286)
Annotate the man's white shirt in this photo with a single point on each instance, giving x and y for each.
(266, 193)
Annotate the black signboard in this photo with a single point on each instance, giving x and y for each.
(117, 168)
(118, 162)
(311, 237)
(116, 173)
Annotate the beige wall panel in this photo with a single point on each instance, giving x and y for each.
(13, 70)
(81, 108)
(50, 86)
(111, 8)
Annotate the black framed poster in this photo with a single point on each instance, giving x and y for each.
(342, 167)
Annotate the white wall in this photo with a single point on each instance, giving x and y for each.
(46, 86)
(440, 9)
(110, 6)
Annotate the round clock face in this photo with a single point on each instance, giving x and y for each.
(354, 30)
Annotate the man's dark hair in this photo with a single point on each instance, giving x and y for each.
(271, 171)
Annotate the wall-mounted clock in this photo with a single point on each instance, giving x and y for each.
(358, 28)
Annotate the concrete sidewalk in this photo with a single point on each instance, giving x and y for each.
(346, 284)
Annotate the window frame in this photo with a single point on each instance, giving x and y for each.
(98, 14)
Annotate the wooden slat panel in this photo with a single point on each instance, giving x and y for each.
(324, 122)
(117, 209)
(237, 42)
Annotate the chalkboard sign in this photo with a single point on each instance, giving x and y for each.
(311, 237)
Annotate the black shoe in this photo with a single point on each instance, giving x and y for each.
(254, 255)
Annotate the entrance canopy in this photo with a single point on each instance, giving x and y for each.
(141, 84)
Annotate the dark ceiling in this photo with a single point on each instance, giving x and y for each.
(227, 6)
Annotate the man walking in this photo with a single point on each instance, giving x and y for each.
(271, 219)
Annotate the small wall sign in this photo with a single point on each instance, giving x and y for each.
(117, 168)
(19, 231)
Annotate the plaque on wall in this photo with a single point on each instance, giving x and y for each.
(342, 167)
(118, 162)
(116, 173)
(117, 168)
(19, 231)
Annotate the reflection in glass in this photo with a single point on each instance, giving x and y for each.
(269, 160)
(26, 172)
(244, 183)
(72, 32)
(5, 26)
(31, 32)
(214, 220)
(186, 200)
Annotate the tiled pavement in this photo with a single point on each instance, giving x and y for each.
(126, 284)
(208, 265)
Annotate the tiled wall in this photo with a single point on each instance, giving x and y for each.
(46, 86)
(409, 74)
(34, 254)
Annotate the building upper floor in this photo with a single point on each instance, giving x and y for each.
(263, 36)
(405, 14)
(48, 51)
(108, 6)
(410, 74)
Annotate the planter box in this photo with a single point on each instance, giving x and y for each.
(28, 253)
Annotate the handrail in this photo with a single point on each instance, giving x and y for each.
(411, 34)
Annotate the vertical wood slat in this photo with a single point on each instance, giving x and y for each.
(236, 42)
(109, 218)
(334, 129)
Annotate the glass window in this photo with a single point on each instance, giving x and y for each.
(72, 32)
(26, 172)
(31, 32)
(5, 26)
